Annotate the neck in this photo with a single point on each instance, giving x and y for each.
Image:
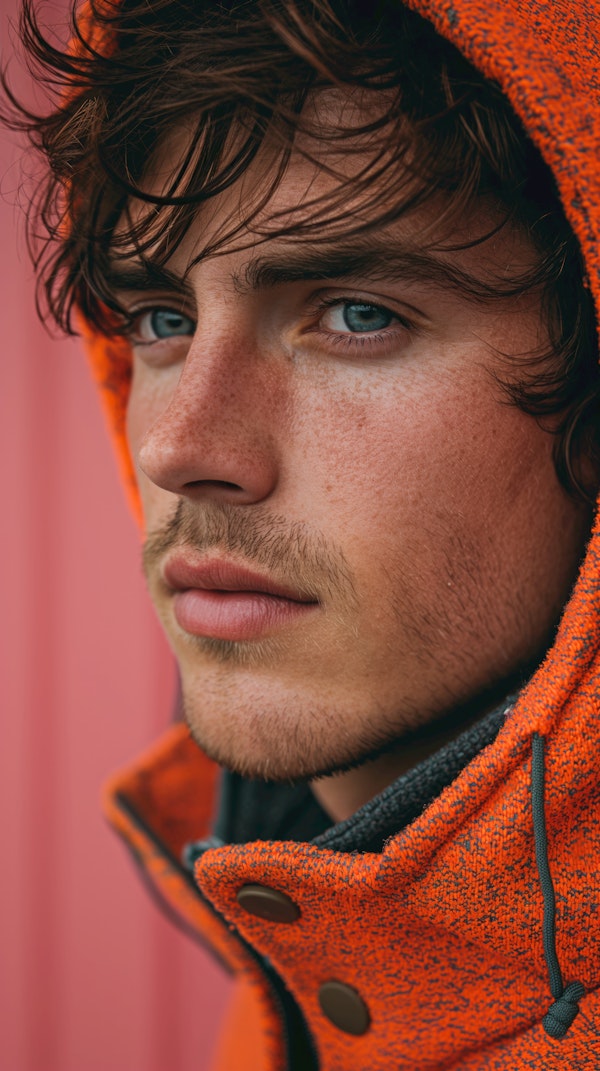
(344, 792)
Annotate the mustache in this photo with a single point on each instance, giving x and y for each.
(290, 551)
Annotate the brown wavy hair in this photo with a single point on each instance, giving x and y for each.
(238, 74)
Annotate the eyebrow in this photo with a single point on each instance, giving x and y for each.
(142, 275)
(372, 262)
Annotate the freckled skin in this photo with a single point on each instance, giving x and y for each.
(440, 499)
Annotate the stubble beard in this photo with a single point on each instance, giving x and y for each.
(247, 721)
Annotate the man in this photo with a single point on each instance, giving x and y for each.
(340, 307)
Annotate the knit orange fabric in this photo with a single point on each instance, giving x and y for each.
(442, 934)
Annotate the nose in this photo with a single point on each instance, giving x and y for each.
(215, 436)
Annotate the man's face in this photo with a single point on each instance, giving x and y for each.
(350, 529)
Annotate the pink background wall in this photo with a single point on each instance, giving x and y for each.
(92, 977)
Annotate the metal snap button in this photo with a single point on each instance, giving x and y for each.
(266, 903)
(344, 1007)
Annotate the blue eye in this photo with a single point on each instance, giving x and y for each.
(164, 323)
(359, 316)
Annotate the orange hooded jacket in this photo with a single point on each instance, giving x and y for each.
(472, 940)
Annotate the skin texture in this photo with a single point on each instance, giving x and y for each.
(381, 473)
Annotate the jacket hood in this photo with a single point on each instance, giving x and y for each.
(442, 932)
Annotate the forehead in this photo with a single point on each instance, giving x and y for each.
(340, 142)
(343, 178)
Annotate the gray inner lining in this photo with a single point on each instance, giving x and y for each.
(251, 810)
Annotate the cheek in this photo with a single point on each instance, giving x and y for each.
(442, 506)
(148, 399)
(383, 445)
(149, 396)
(390, 466)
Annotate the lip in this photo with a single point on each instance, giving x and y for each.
(228, 601)
(217, 574)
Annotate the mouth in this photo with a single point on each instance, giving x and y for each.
(223, 600)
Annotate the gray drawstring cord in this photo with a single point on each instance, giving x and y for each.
(561, 1014)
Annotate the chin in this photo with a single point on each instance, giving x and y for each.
(286, 742)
